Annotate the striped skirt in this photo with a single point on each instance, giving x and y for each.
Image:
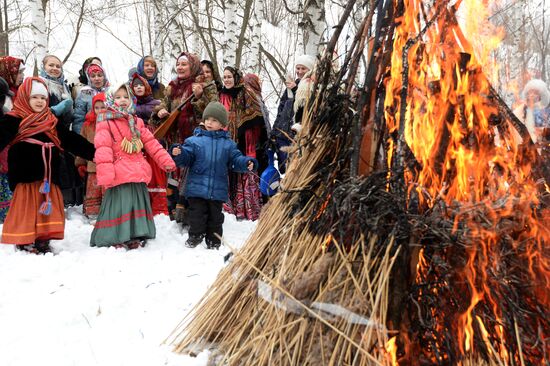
(125, 215)
(24, 224)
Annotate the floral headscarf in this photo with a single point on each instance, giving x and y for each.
(148, 90)
(9, 68)
(56, 85)
(179, 87)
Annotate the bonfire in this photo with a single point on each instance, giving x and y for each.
(412, 223)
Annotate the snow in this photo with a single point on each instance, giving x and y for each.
(104, 306)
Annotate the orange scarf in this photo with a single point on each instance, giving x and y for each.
(32, 122)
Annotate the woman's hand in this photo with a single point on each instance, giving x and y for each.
(163, 113)
(197, 90)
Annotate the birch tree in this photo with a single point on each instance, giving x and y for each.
(39, 31)
(313, 25)
(256, 38)
(231, 29)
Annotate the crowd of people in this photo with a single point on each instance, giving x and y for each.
(99, 145)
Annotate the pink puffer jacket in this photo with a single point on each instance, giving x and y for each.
(114, 166)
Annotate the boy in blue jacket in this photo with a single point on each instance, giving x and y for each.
(209, 154)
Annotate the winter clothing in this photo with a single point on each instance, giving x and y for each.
(83, 102)
(125, 215)
(157, 87)
(209, 154)
(116, 166)
(215, 75)
(306, 60)
(39, 88)
(94, 193)
(217, 111)
(36, 139)
(247, 128)
(535, 116)
(9, 68)
(82, 80)
(270, 178)
(145, 104)
(5, 191)
(206, 217)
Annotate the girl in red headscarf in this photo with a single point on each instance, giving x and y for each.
(36, 140)
(94, 193)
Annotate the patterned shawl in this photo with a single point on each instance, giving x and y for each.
(9, 68)
(32, 122)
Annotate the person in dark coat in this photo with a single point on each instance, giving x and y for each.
(209, 154)
(282, 131)
(36, 140)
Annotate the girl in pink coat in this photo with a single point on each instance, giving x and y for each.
(125, 218)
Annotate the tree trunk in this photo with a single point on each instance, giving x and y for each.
(231, 27)
(175, 37)
(158, 47)
(196, 41)
(257, 15)
(313, 25)
(4, 40)
(39, 31)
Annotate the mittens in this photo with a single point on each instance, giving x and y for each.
(62, 108)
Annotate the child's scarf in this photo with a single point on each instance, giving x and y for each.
(134, 145)
(32, 122)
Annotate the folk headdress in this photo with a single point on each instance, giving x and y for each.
(182, 87)
(252, 98)
(93, 68)
(154, 81)
(133, 144)
(9, 68)
(138, 79)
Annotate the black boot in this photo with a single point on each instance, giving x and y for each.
(212, 243)
(193, 240)
(43, 246)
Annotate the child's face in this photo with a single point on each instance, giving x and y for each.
(98, 79)
(183, 69)
(53, 67)
(139, 90)
(228, 80)
(122, 99)
(149, 69)
(207, 71)
(99, 107)
(20, 77)
(212, 124)
(38, 103)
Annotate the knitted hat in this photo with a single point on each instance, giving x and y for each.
(38, 88)
(215, 110)
(306, 60)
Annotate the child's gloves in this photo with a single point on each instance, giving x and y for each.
(82, 170)
(250, 165)
(297, 127)
(62, 108)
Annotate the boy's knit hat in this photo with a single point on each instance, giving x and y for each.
(215, 110)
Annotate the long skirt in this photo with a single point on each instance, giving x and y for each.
(245, 198)
(25, 224)
(93, 197)
(157, 188)
(125, 215)
(5, 196)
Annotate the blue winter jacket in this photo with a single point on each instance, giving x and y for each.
(210, 155)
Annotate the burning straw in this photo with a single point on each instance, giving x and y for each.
(435, 253)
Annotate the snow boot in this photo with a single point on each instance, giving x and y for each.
(43, 246)
(193, 240)
(212, 244)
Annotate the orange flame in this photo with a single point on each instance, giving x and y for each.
(467, 162)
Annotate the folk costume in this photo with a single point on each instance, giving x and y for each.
(37, 139)
(125, 215)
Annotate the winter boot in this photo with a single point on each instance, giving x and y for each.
(43, 246)
(29, 248)
(194, 240)
(212, 243)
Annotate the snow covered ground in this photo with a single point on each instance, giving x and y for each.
(107, 307)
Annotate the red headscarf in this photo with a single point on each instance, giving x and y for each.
(148, 90)
(91, 117)
(9, 68)
(33, 122)
(182, 87)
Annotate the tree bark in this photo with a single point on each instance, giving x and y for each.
(231, 26)
(313, 25)
(39, 31)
